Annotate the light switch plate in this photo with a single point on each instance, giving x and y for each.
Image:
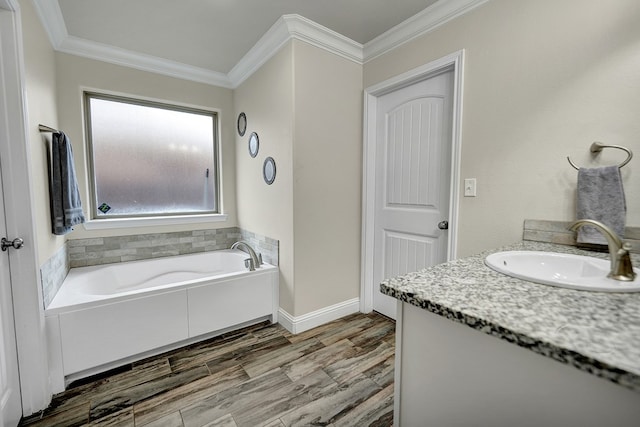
(470, 187)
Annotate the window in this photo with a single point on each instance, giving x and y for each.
(149, 159)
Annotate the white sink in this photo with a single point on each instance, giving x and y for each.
(562, 270)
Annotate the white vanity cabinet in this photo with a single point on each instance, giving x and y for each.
(448, 374)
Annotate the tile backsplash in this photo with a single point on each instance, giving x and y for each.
(558, 232)
(108, 250)
(52, 274)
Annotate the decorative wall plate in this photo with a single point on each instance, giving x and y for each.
(254, 144)
(269, 170)
(242, 124)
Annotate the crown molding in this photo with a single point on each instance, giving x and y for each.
(114, 55)
(11, 5)
(51, 17)
(296, 27)
(423, 22)
(268, 45)
(304, 29)
(52, 20)
(288, 27)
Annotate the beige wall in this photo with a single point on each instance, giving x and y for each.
(267, 100)
(54, 83)
(75, 74)
(305, 104)
(327, 157)
(40, 83)
(543, 80)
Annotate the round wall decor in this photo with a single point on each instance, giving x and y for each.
(254, 144)
(269, 170)
(242, 124)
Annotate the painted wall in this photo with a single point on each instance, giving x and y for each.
(327, 182)
(305, 104)
(74, 74)
(543, 80)
(267, 100)
(40, 82)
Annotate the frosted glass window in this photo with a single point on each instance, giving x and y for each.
(151, 159)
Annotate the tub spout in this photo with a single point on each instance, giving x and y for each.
(621, 268)
(256, 259)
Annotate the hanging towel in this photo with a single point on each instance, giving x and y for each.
(600, 197)
(66, 206)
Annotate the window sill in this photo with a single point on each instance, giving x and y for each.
(104, 224)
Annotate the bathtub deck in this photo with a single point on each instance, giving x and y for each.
(339, 374)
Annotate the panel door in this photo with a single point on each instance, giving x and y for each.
(413, 164)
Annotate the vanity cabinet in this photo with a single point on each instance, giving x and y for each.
(478, 348)
(448, 374)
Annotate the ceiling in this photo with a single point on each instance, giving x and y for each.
(210, 38)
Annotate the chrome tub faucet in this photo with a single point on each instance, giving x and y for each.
(254, 261)
(621, 268)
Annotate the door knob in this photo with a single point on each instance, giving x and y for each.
(443, 225)
(15, 243)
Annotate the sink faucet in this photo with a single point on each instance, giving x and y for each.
(621, 268)
(254, 260)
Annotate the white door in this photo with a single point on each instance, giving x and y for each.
(10, 405)
(10, 399)
(413, 174)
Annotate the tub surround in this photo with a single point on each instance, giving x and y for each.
(107, 250)
(596, 332)
(107, 315)
(113, 249)
(52, 274)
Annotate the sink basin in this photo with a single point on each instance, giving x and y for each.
(562, 270)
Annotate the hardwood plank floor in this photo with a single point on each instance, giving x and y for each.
(338, 374)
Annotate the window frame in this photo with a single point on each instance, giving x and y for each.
(96, 221)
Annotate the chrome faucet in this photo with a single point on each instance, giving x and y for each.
(621, 268)
(254, 261)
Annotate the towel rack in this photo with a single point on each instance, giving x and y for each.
(43, 128)
(597, 147)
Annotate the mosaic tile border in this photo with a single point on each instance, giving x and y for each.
(108, 250)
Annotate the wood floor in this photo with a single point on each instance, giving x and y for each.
(339, 374)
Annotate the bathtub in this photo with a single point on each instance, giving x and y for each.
(107, 315)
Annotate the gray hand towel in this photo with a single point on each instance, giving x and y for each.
(600, 197)
(66, 206)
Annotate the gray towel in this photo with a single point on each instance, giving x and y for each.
(600, 197)
(66, 206)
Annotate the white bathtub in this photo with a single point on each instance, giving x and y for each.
(107, 315)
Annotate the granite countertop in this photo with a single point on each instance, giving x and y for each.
(597, 332)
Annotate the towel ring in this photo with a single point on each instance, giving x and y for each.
(597, 147)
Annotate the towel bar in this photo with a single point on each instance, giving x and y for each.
(597, 147)
(43, 128)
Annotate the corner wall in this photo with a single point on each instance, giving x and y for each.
(306, 106)
(327, 186)
(267, 100)
(543, 80)
(40, 82)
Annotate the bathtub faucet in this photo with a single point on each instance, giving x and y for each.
(255, 260)
(621, 268)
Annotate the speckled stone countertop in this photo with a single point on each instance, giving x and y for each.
(597, 332)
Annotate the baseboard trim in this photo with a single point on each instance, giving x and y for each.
(299, 324)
